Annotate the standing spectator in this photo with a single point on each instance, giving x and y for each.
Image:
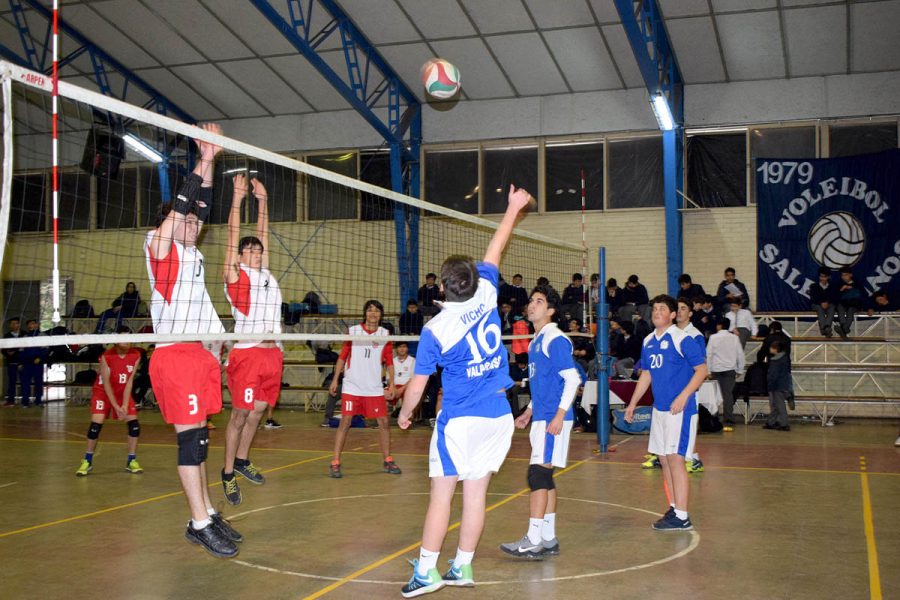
(411, 323)
(635, 301)
(428, 293)
(689, 289)
(780, 387)
(741, 322)
(124, 307)
(613, 296)
(850, 300)
(13, 362)
(776, 332)
(731, 289)
(880, 302)
(823, 297)
(573, 299)
(725, 358)
(33, 360)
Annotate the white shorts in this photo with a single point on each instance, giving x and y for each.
(469, 447)
(546, 448)
(672, 434)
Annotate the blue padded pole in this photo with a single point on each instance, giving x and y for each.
(602, 342)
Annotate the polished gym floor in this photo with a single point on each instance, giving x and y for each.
(810, 513)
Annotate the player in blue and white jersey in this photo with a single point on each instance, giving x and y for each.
(674, 364)
(692, 464)
(474, 429)
(554, 381)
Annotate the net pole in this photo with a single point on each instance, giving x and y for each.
(6, 186)
(55, 101)
(585, 316)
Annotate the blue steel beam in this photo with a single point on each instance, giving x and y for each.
(101, 60)
(646, 32)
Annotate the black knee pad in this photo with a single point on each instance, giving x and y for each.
(94, 431)
(540, 478)
(134, 428)
(192, 444)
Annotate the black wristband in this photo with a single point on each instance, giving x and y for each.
(187, 194)
(202, 209)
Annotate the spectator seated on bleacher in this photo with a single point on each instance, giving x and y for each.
(741, 322)
(628, 351)
(428, 293)
(518, 372)
(689, 289)
(703, 318)
(582, 346)
(880, 302)
(514, 293)
(635, 300)
(613, 296)
(823, 297)
(730, 289)
(124, 307)
(571, 305)
(851, 296)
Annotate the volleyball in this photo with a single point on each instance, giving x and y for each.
(837, 240)
(440, 78)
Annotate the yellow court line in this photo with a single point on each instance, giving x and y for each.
(869, 526)
(415, 545)
(139, 502)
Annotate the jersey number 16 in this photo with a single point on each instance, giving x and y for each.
(488, 341)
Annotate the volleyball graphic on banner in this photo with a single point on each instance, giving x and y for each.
(837, 240)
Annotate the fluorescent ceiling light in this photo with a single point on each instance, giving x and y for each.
(239, 170)
(663, 114)
(142, 148)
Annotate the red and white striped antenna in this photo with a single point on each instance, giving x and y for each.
(55, 96)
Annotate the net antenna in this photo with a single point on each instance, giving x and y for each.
(55, 166)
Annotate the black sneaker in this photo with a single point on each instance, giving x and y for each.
(232, 489)
(391, 467)
(225, 528)
(334, 471)
(272, 424)
(551, 547)
(211, 538)
(250, 472)
(673, 523)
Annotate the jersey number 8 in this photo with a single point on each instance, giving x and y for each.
(489, 346)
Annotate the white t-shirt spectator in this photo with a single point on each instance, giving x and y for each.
(403, 369)
(724, 353)
(742, 318)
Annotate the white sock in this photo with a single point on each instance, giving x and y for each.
(211, 511)
(696, 456)
(681, 514)
(462, 558)
(197, 525)
(534, 530)
(427, 561)
(548, 532)
(672, 504)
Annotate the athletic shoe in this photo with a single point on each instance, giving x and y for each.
(273, 424)
(134, 466)
(334, 470)
(669, 513)
(652, 462)
(728, 428)
(419, 585)
(225, 528)
(695, 465)
(459, 577)
(897, 442)
(551, 547)
(211, 538)
(391, 467)
(672, 523)
(250, 472)
(232, 489)
(86, 467)
(524, 549)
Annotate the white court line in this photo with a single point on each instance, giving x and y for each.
(695, 541)
(9, 484)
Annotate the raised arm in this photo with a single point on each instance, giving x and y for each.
(196, 188)
(518, 199)
(232, 259)
(262, 218)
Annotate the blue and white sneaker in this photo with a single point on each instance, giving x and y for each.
(670, 522)
(419, 585)
(459, 577)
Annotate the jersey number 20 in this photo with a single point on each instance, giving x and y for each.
(656, 361)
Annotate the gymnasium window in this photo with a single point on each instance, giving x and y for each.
(22, 298)
(451, 179)
(281, 186)
(505, 166)
(563, 164)
(635, 172)
(151, 193)
(117, 200)
(74, 200)
(779, 142)
(28, 202)
(862, 138)
(716, 169)
(375, 168)
(327, 200)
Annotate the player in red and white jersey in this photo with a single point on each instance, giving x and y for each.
(254, 368)
(362, 363)
(185, 376)
(111, 397)
(404, 364)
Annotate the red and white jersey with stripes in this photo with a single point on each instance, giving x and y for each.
(120, 369)
(179, 302)
(364, 361)
(255, 303)
(403, 369)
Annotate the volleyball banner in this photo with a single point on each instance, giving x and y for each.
(834, 212)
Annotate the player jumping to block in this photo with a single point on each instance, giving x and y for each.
(362, 393)
(254, 368)
(185, 376)
(554, 381)
(673, 363)
(474, 429)
(111, 397)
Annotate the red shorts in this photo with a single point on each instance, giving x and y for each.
(187, 383)
(371, 407)
(398, 393)
(100, 405)
(254, 374)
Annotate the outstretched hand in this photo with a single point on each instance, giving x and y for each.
(240, 186)
(519, 198)
(259, 190)
(208, 150)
